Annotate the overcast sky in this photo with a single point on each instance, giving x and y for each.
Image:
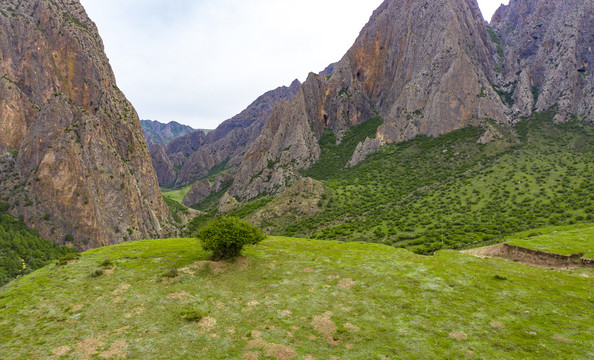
(199, 62)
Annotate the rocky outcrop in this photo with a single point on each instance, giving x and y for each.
(547, 56)
(428, 67)
(199, 191)
(164, 168)
(424, 67)
(158, 133)
(78, 152)
(227, 144)
(364, 149)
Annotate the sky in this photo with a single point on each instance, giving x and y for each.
(200, 62)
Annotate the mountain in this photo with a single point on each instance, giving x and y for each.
(430, 68)
(74, 164)
(192, 156)
(496, 138)
(158, 133)
(547, 57)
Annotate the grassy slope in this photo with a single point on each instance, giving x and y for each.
(355, 301)
(178, 194)
(449, 192)
(564, 240)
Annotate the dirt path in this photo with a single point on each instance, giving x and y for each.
(531, 257)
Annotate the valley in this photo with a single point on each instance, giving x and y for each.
(430, 195)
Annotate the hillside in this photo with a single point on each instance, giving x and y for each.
(194, 156)
(155, 132)
(468, 187)
(295, 298)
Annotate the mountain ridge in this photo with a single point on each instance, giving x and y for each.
(425, 68)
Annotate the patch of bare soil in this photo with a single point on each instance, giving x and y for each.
(121, 289)
(61, 351)
(115, 351)
(346, 283)
(325, 326)
(216, 267)
(207, 324)
(460, 336)
(561, 339)
(180, 295)
(87, 348)
(529, 256)
(496, 325)
(252, 355)
(277, 351)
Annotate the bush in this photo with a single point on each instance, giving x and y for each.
(97, 272)
(227, 236)
(192, 315)
(67, 258)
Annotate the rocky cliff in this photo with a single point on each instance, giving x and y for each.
(195, 155)
(424, 67)
(547, 57)
(78, 169)
(159, 133)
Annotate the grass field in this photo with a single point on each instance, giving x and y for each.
(178, 194)
(295, 299)
(564, 240)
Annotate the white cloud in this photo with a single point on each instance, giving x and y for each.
(201, 62)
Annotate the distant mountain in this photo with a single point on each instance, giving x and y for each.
(73, 163)
(193, 156)
(159, 133)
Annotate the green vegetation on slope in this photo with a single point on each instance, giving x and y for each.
(175, 208)
(22, 250)
(294, 297)
(335, 156)
(428, 194)
(564, 240)
(177, 194)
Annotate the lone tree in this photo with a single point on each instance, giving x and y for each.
(227, 236)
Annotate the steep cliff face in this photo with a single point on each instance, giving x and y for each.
(548, 56)
(195, 155)
(424, 67)
(80, 165)
(158, 133)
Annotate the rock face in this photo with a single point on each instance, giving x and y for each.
(199, 191)
(79, 165)
(424, 67)
(196, 154)
(548, 56)
(158, 133)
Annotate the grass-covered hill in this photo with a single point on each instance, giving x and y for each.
(295, 299)
(563, 240)
(451, 191)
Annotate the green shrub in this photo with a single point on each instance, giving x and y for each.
(172, 273)
(227, 236)
(107, 263)
(68, 257)
(192, 315)
(97, 272)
